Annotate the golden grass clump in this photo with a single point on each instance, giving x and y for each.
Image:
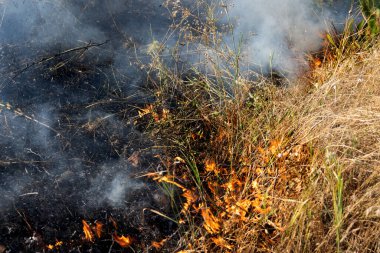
(340, 117)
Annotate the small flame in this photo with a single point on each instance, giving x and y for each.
(191, 197)
(211, 223)
(123, 241)
(222, 243)
(159, 245)
(87, 231)
(56, 245)
(210, 165)
(99, 227)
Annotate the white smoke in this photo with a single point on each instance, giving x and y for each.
(120, 188)
(276, 34)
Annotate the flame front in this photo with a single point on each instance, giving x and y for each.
(122, 240)
(87, 231)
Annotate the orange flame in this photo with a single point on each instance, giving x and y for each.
(191, 197)
(211, 223)
(222, 243)
(211, 166)
(159, 245)
(99, 227)
(123, 241)
(56, 245)
(87, 231)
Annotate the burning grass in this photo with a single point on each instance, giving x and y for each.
(246, 165)
(275, 169)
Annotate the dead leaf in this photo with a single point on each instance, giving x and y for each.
(134, 159)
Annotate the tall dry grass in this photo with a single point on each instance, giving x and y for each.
(340, 117)
(263, 168)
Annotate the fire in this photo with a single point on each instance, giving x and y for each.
(99, 227)
(145, 111)
(56, 245)
(210, 166)
(191, 197)
(274, 146)
(211, 223)
(87, 231)
(123, 241)
(159, 245)
(222, 243)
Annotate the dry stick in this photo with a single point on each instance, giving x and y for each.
(20, 113)
(27, 194)
(46, 59)
(24, 218)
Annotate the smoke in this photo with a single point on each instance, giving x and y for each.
(276, 35)
(114, 185)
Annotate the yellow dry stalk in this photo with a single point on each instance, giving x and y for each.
(168, 179)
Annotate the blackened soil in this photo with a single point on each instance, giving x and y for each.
(66, 133)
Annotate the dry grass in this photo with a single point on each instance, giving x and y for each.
(341, 118)
(262, 168)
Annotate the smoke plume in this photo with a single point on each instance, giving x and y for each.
(276, 35)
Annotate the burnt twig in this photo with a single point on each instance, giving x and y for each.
(81, 49)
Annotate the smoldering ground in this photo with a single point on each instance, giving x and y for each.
(70, 83)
